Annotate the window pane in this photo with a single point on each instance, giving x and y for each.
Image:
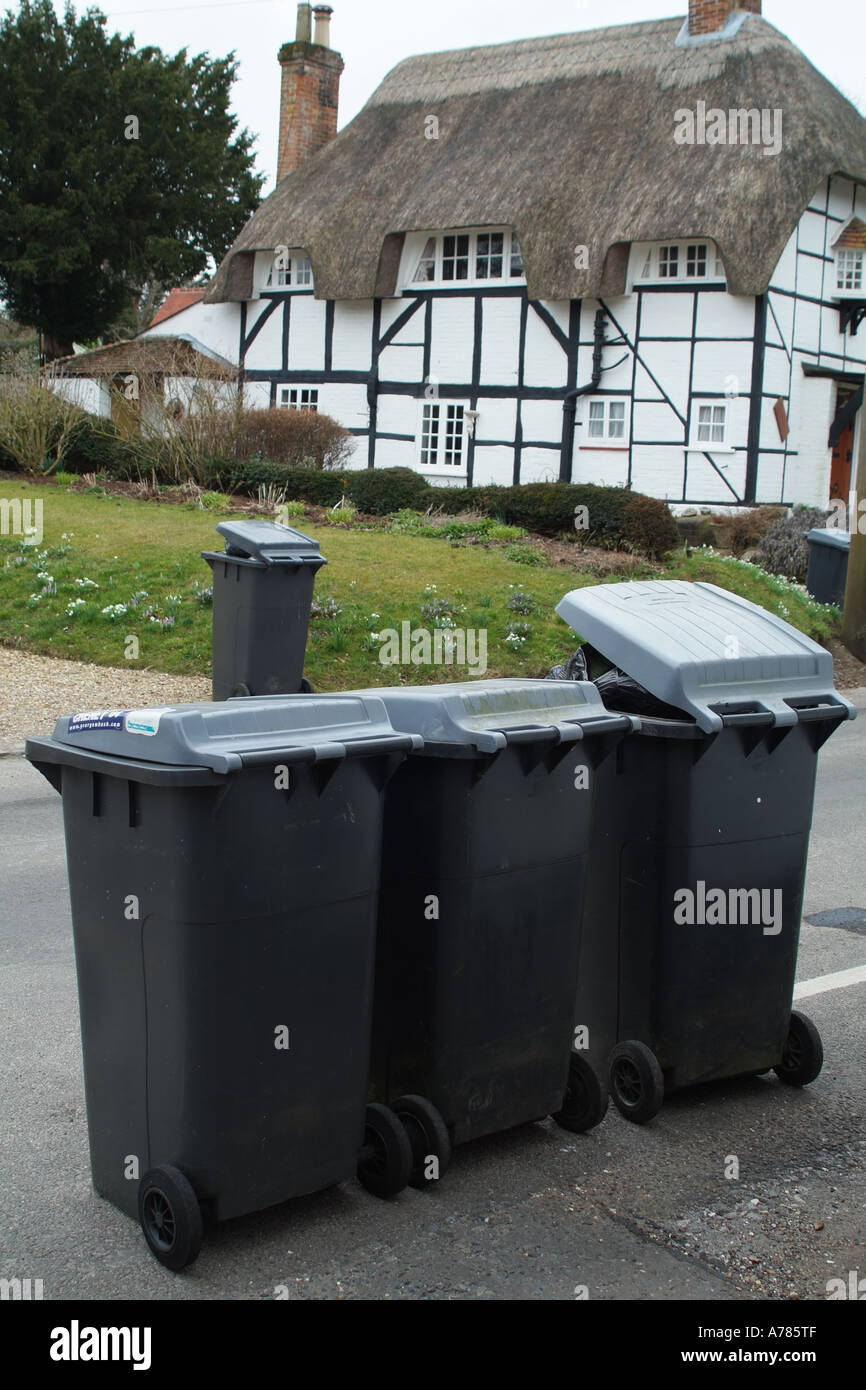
(696, 261)
(849, 273)
(616, 420)
(453, 435)
(596, 419)
(303, 271)
(427, 264)
(705, 415)
(482, 257)
(516, 258)
(669, 262)
(429, 434)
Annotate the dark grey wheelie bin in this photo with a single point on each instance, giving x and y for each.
(223, 865)
(694, 896)
(262, 594)
(829, 552)
(482, 875)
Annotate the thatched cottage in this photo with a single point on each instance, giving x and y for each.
(631, 256)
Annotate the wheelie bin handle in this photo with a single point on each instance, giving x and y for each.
(798, 709)
(570, 730)
(322, 752)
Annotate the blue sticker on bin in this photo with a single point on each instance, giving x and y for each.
(91, 720)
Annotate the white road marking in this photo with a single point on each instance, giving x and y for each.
(823, 983)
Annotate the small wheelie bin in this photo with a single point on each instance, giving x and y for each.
(262, 595)
(223, 873)
(692, 910)
(484, 855)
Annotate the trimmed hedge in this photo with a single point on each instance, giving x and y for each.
(616, 519)
(380, 491)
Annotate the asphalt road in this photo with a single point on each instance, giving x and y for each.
(623, 1212)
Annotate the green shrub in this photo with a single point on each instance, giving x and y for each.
(525, 555)
(407, 522)
(649, 527)
(98, 447)
(380, 491)
(322, 488)
(215, 501)
(65, 479)
(341, 515)
(784, 549)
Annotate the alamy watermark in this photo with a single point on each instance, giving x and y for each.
(20, 1290)
(22, 518)
(735, 907)
(737, 126)
(449, 646)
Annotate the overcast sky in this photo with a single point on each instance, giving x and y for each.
(374, 35)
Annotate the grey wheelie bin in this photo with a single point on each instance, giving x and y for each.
(223, 864)
(262, 594)
(694, 895)
(482, 875)
(829, 552)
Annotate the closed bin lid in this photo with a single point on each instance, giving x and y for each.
(702, 649)
(225, 736)
(487, 715)
(830, 536)
(268, 542)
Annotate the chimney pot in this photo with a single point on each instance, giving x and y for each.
(323, 25)
(303, 32)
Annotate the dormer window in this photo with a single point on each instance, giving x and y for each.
(849, 270)
(287, 269)
(849, 249)
(681, 261)
(464, 258)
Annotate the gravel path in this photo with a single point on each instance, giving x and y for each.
(36, 690)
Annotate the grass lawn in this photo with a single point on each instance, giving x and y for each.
(140, 560)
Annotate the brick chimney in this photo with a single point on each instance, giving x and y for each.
(709, 16)
(309, 90)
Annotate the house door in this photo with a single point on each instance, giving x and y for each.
(843, 451)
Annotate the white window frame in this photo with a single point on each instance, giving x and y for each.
(297, 275)
(711, 445)
(439, 410)
(285, 394)
(653, 262)
(856, 257)
(599, 407)
(417, 243)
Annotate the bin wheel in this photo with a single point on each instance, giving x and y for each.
(306, 687)
(803, 1053)
(385, 1164)
(239, 691)
(170, 1216)
(636, 1082)
(586, 1099)
(428, 1137)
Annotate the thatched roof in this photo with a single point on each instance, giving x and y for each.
(570, 140)
(160, 356)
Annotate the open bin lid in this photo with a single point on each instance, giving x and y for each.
(221, 737)
(487, 715)
(703, 650)
(267, 542)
